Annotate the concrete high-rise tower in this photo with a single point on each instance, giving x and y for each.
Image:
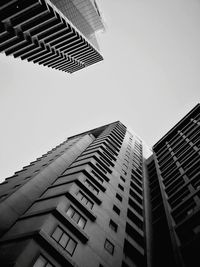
(80, 204)
(60, 34)
(174, 184)
(96, 200)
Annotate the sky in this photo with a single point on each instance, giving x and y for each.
(149, 80)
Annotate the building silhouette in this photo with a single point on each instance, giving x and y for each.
(98, 200)
(55, 33)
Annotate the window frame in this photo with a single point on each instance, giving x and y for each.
(108, 242)
(74, 213)
(47, 262)
(113, 226)
(85, 198)
(61, 238)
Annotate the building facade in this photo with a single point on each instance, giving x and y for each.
(80, 204)
(97, 200)
(174, 178)
(54, 33)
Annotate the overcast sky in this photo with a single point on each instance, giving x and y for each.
(149, 79)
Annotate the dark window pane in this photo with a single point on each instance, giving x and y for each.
(113, 225)
(115, 208)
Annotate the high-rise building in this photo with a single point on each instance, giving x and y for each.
(174, 183)
(60, 34)
(98, 200)
(80, 204)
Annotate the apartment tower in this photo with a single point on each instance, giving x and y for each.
(174, 185)
(60, 34)
(97, 200)
(81, 204)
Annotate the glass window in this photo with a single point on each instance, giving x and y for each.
(91, 187)
(124, 172)
(115, 208)
(97, 176)
(109, 246)
(57, 234)
(84, 200)
(76, 217)
(70, 212)
(71, 246)
(81, 223)
(65, 241)
(90, 205)
(118, 197)
(120, 187)
(42, 262)
(113, 225)
(122, 178)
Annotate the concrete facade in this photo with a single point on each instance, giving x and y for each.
(175, 195)
(95, 200)
(80, 204)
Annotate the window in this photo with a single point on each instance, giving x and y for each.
(101, 168)
(115, 208)
(127, 157)
(124, 172)
(113, 225)
(120, 187)
(91, 187)
(64, 240)
(42, 262)
(122, 178)
(85, 200)
(126, 161)
(126, 167)
(109, 246)
(76, 217)
(98, 177)
(118, 197)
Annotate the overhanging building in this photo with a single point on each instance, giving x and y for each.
(95, 200)
(55, 33)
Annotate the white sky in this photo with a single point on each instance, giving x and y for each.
(149, 80)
